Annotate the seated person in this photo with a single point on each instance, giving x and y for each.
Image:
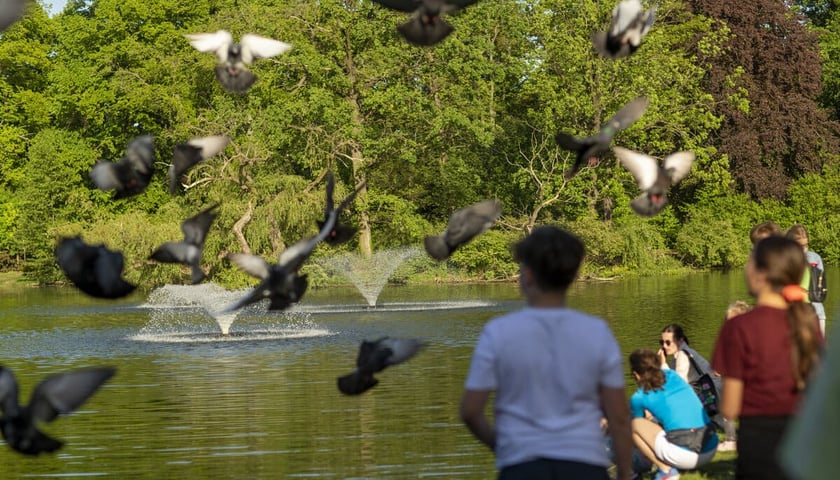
(684, 437)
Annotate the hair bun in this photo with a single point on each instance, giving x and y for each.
(794, 293)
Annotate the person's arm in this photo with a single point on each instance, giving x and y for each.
(733, 395)
(682, 364)
(472, 414)
(618, 416)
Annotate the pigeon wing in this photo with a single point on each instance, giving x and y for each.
(644, 168)
(255, 46)
(8, 392)
(678, 165)
(105, 175)
(253, 265)
(195, 228)
(10, 12)
(66, 392)
(108, 270)
(400, 5)
(460, 4)
(217, 43)
(624, 15)
(210, 146)
(140, 154)
(402, 349)
(466, 223)
(330, 205)
(629, 113)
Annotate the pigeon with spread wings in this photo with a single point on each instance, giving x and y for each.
(281, 283)
(132, 174)
(232, 71)
(654, 180)
(374, 357)
(188, 251)
(599, 143)
(629, 24)
(463, 226)
(340, 232)
(93, 269)
(55, 395)
(426, 26)
(188, 154)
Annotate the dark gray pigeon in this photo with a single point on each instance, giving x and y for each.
(340, 233)
(132, 174)
(10, 12)
(55, 395)
(463, 226)
(629, 24)
(426, 26)
(281, 283)
(188, 251)
(93, 269)
(599, 143)
(654, 180)
(374, 357)
(232, 71)
(188, 154)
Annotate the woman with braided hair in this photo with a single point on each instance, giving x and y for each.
(767, 355)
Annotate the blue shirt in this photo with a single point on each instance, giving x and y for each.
(676, 406)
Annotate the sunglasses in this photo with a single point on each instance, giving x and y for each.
(665, 343)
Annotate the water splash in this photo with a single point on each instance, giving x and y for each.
(209, 297)
(369, 275)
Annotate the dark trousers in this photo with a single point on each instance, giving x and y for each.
(547, 469)
(758, 443)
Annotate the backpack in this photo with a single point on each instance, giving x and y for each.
(816, 287)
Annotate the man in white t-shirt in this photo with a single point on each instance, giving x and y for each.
(555, 371)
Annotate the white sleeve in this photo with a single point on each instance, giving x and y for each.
(681, 364)
(482, 374)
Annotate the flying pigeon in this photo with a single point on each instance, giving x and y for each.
(131, 175)
(599, 143)
(10, 12)
(55, 395)
(630, 23)
(93, 269)
(281, 282)
(188, 251)
(463, 226)
(340, 232)
(188, 154)
(374, 357)
(233, 58)
(654, 180)
(426, 27)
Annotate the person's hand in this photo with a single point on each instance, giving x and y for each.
(663, 358)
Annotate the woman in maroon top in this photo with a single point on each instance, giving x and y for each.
(767, 355)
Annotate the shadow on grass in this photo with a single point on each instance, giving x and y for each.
(721, 468)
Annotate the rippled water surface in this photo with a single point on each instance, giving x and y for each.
(261, 403)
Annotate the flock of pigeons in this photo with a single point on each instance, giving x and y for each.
(97, 271)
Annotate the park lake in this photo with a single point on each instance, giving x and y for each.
(262, 402)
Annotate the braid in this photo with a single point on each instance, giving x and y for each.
(805, 341)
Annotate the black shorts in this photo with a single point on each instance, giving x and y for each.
(548, 469)
(758, 443)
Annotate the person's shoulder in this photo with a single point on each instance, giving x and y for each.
(813, 256)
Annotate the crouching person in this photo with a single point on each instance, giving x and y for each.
(682, 437)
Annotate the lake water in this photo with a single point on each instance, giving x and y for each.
(263, 403)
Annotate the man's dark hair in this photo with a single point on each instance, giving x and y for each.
(553, 254)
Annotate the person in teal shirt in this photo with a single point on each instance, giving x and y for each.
(682, 436)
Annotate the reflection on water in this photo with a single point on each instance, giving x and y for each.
(262, 403)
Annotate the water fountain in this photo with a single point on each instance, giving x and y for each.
(369, 274)
(175, 309)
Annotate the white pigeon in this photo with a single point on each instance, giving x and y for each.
(629, 24)
(654, 180)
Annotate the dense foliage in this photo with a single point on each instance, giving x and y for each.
(429, 129)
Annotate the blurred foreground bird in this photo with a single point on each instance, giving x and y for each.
(340, 233)
(599, 143)
(654, 180)
(188, 154)
(93, 269)
(374, 357)
(131, 175)
(10, 12)
(426, 27)
(55, 395)
(629, 24)
(232, 71)
(463, 226)
(281, 283)
(188, 251)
